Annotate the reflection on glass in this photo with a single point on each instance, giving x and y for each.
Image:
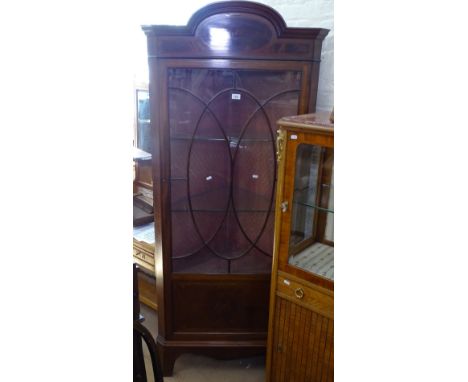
(311, 236)
(219, 38)
(143, 121)
(329, 224)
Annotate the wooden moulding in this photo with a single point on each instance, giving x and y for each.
(274, 40)
(245, 7)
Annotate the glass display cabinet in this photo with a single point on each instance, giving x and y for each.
(217, 88)
(300, 341)
(143, 209)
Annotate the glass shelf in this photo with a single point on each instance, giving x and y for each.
(185, 179)
(219, 210)
(314, 206)
(212, 139)
(306, 197)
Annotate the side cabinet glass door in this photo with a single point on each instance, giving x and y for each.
(311, 232)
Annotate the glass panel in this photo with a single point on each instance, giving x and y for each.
(329, 232)
(311, 236)
(268, 85)
(143, 121)
(222, 126)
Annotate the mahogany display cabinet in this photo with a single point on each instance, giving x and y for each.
(300, 336)
(217, 87)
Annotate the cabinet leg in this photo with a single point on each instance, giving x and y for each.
(168, 359)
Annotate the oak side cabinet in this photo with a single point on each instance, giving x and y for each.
(300, 340)
(217, 87)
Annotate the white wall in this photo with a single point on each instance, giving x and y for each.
(313, 14)
(296, 13)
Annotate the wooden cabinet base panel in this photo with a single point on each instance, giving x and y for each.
(169, 351)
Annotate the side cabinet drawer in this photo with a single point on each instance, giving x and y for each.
(305, 296)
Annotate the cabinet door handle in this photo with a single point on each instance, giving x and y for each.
(299, 292)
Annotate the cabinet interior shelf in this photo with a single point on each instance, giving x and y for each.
(313, 206)
(219, 210)
(185, 179)
(301, 190)
(230, 139)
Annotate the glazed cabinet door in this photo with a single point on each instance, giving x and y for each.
(222, 172)
(307, 235)
(218, 141)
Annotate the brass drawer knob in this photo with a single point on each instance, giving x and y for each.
(299, 292)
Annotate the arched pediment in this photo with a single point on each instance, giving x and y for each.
(235, 29)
